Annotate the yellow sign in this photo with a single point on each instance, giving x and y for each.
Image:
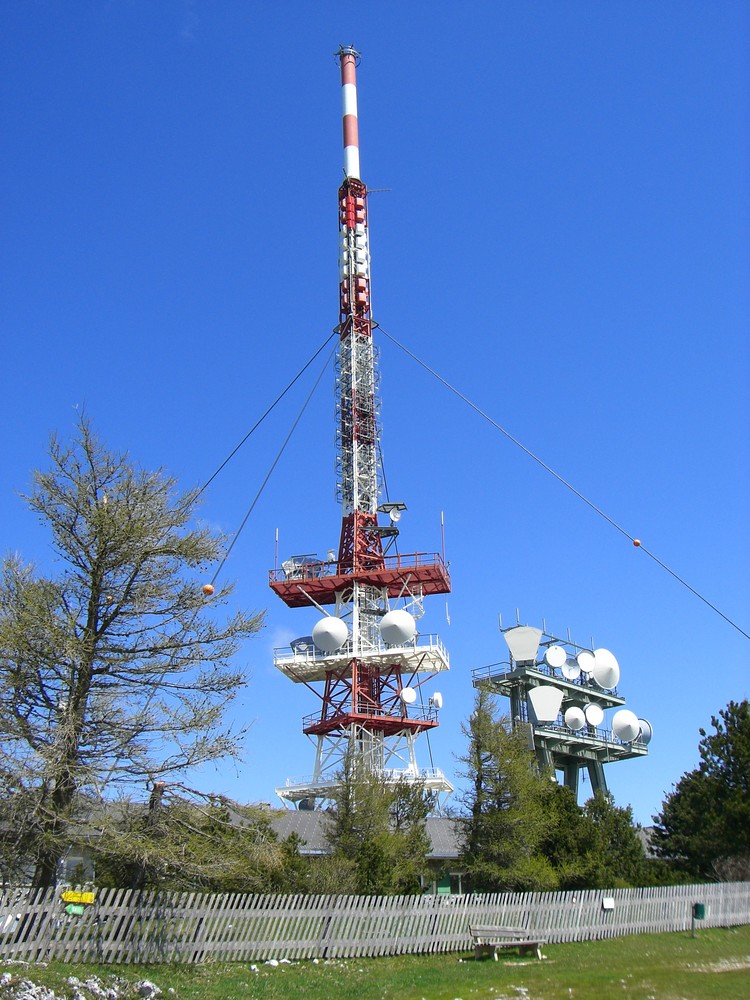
(70, 896)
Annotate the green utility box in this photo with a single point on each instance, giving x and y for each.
(699, 911)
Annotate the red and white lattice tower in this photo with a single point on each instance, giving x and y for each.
(365, 659)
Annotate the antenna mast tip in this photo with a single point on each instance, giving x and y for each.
(348, 50)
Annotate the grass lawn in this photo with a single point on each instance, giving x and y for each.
(716, 964)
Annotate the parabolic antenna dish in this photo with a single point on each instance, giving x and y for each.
(606, 669)
(625, 725)
(398, 627)
(570, 670)
(594, 714)
(408, 695)
(437, 700)
(555, 657)
(545, 702)
(574, 717)
(586, 661)
(646, 731)
(330, 634)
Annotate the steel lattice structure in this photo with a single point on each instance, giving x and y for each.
(361, 683)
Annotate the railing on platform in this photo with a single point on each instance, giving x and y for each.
(304, 652)
(310, 568)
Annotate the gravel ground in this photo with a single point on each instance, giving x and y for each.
(16, 985)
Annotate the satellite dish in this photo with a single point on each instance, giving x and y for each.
(555, 657)
(523, 642)
(646, 731)
(625, 725)
(546, 701)
(574, 717)
(594, 714)
(606, 669)
(398, 627)
(570, 670)
(437, 700)
(408, 695)
(394, 515)
(586, 661)
(330, 634)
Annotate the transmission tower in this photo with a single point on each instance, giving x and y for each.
(365, 659)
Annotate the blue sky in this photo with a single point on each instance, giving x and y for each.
(564, 237)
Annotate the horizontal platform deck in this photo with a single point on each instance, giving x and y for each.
(310, 787)
(426, 654)
(319, 582)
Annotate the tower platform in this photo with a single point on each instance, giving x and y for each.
(296, 582)
(303, 662)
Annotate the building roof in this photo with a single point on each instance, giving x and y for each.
(310, 826)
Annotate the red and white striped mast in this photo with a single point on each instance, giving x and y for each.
(366, 652)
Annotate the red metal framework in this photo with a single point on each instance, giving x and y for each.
(361, 695)
(418, 572)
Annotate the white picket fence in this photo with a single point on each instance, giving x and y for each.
(128, 926)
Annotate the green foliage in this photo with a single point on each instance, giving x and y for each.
(378, 833)
(524, 832)
(569, 842)
(704, 824)
(115, 671)
(616, 850)
(508, 806)
(181, 842)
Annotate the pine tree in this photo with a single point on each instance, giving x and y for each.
(508, 813)
(704, 824)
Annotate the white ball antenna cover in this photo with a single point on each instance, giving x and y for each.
(555, 657)
(437, 700)
(594, 714)
(625, 725)
(330, 634)
(408, 695)
(398, 627)
(606, 669)
(574, 717)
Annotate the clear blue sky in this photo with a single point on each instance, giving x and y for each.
(565, 237)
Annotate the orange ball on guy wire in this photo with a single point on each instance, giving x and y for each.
(208, 589)
(637, 542)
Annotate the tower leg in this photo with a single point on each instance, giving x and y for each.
(596, 774)
(570, 777)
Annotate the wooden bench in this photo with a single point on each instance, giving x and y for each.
(487, 940)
